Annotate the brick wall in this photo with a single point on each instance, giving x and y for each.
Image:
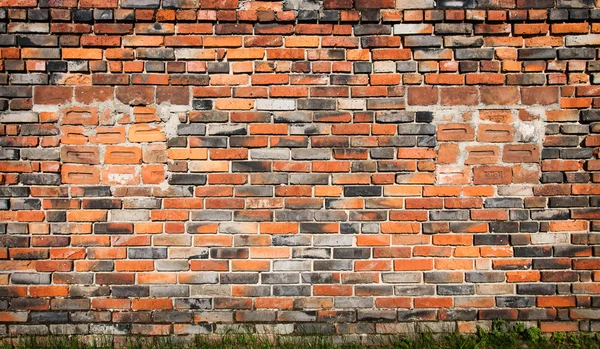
(300, 166)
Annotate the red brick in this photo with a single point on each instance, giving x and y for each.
(422, 95)
(52, 95)
(539, 95)
(492, 175)
(459, 96)
(455, 132)
(495, 133)
(499, 95)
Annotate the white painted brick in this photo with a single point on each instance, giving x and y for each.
(275, 104)
(408, 29)
(352, 104)
(414, 4)
(19, 117)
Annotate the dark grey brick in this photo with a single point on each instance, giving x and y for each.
(536, 53)
(147, 252)
(416, 129)
(362, 191)
(536, 289)
(422, 41)
(191, 129)
(414, 290)
(49, 317)
(449, 215)
(397, 117)
(140, 3)
(588, 116)
(455, 290)
(16, 91)
(474, 53)
(25, 204)
(579, 153)
(557, 14)
(171, 317)
(8, 191)
(217, 67)
(363, 67)
(406, 66)
(202, 104)
(130, 291)
(568, 201)
(40, 178)
(351, 253)
(187, 178)
(193, 303)
(318, 278)
(518, 215)
(576, 53)
(8, 40)
(291, 291)
(570, 251)
(280, 278)
(504, 227)
(81, 15)
(484, 277)
(372, 29)
(515, 302)
(316, 104)
(532, 251)
(503, 203)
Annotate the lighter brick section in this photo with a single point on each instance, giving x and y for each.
(582, 40)
(352, 104)
(550, 239)
(275, 328)
(306, 5)
(384, 67)
(395, 328)
(140, 3)
(190, 53)
(129, 216)
(407, 29)
(402, 278)
(29, 28)
(275, 104)
(285, 265)
(270, 154)
(341, 240)
(414, 4)
(19, 117)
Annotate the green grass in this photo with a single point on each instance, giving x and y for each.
(499, 337)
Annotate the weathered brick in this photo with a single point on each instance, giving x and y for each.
(324, 168)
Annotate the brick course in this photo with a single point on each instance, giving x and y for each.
(337, 166)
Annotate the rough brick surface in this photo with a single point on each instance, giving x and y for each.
(182, 166)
